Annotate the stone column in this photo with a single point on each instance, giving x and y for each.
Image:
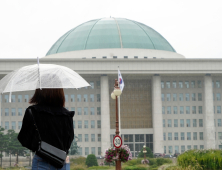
(209, 129)
(105, 114)
(157, 115)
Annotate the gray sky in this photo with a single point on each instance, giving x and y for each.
(29, 28)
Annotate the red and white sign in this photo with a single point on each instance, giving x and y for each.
(117, 141)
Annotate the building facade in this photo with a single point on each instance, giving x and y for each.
(169, 103)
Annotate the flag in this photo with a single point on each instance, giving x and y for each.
(121, 82)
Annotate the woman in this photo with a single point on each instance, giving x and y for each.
(54, 122)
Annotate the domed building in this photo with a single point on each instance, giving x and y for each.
(169, 103)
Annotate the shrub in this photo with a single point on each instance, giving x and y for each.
(152, 161)
(78, 161)
(91, 160)
(135, 167)
(149, 153)
(78, 167)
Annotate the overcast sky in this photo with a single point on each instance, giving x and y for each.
(29, 28)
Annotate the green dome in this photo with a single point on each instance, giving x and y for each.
(110, 33)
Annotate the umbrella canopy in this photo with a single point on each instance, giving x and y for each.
(41, 76)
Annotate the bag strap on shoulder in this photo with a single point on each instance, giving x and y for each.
(30, 111)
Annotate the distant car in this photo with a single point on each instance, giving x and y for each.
(168, 156)
(99, 157)
(156, 155)
(176, 155)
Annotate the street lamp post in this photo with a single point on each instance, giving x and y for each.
(144, 151)
(117, 92)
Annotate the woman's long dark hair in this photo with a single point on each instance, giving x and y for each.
(51, 97)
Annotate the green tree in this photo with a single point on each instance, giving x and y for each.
(149, 153)
(91, 160)
(74, 147)
(3, 143)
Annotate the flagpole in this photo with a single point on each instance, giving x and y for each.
(119, 110)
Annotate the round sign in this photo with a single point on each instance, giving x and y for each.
(117, 141)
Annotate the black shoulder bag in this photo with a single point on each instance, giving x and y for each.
(53, 155)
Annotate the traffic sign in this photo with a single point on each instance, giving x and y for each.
(117, 141)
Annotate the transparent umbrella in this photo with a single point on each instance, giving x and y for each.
(41, 76)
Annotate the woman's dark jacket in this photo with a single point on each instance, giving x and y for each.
(55, 125)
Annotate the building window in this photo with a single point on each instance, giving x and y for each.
(79, 98)
(168, 84)
(91, 97)
(72, 98)
(220, 135)
(26, 98)
(175, 110)
(98, 97)
(92, 111)
(200, 122)
(218, 97)
(181, 110)
(6, 112)
(176, 149)
(19, 98)
(66, 98)
(73, 109)
(175, 122)
(86, 150)
(13, 125)
(92, 84)
(163, 110)
(194, 109)
(86, 124)
(180, 84)
(19, 111)
(86, 138)
(79, 137)
(194, 135)
(199, 96)
(98, 110)
(174, 84)
(19, 125)
(201, 146)
(162, 97)
(174, 97)
(220, 147)
(98, 84)
(188, 147)
(192, 83)
(162, 84)
(12, 98)
(188, 135)
(164, 136)
(98, 123)
(219, 109)
(165, 149)
(176, 136)
(93, 150)
(187, 109)
(92, 137)
(188, 122)
(199, 84)
(200, 110)
(182, 149)
(193, 96)
(181, 122)
(163, 122)
(181, 96)
(99, 151)
(85, 110)
(170, 149)
(201, 135)
(182, 136)
(217, 84)
(99, 137)
(195, 147)
(186, 84)
(168, 97)
(85, 98)
(79, 151)
(169, 123)
(168, 110)
(169, 136)
(219, 122)
(13, 112)
(79, 110)
(6, 125)
(139, 138)
(79, 124)
(92, 124)
(194, 122)
(6, 98)
(187, 97)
